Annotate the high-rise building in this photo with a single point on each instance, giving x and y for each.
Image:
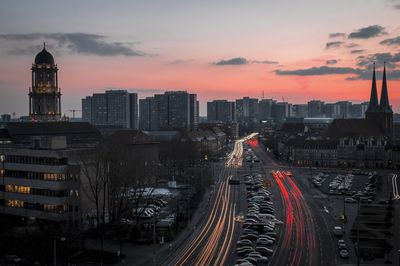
(331, 110)
(358, 110)
(315, 108)
(45, 95)
(148, 114)
(247, 110)
(300, 110)
(87, 109)
(264, 109)
(221, 111)
(168, 111)
(114, 107)
(280, 111)
(344, 109)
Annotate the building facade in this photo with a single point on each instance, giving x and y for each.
(112, 108)
(221, 111)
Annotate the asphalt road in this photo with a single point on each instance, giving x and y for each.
(213, 240)
(306, 235)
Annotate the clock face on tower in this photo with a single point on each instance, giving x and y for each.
(44, 95)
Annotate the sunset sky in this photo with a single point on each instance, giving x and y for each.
(292, 50)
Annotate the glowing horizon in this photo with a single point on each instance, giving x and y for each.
(297, 52)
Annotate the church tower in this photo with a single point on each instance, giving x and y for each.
(381, 113)
(44, 96)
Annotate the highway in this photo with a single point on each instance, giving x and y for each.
(298, 245)
(212, 243)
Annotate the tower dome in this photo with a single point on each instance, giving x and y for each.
(44, 57)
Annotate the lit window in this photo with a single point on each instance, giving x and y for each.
(15, 203)
(18, 189)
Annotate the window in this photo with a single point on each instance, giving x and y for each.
(15, 203)
(18, 189)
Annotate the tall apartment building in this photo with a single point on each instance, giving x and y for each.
(280, 111)
(171, 110)
(264, 109)
(247, 110)
(358, 110)
(299, 110)
(315, 108)
(221, 111)
(331, 110)
(344, 109)
(114, 107)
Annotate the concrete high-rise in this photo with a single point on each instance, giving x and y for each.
(114, 107)
(221, 111)
(169, 111)
(264, 108)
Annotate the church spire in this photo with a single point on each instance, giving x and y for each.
(373, 101)
(384, 103)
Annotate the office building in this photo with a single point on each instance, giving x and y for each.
(40, 171)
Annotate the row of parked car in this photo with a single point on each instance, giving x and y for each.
(258, 235)
(368, 194)
(341, 184)
(147, 211)
(318, 179)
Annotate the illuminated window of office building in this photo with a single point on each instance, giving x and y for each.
(15, 203)
(18, 189)
(2, 157)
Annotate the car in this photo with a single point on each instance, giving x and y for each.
(249, 236)
(264, 242)
(250, 231)
(264, 250)
(342, 244)
(272, 234)
(267, 237)
(350, 200)
(243, 252)
(251, 260)
(13, 259)
(344, 254)
(243, 262)
(244, 242)
(258, 257)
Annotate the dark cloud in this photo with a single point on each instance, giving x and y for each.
(318, 71)
(367, 32)
(232, 61)
(391, 41)
(379, 58)
(357, 51)
(352, 45)
(397, 6)
(333, 45)
(331, 62)
(367, 75)
(81, 43)
(267, 62)
(337, 35)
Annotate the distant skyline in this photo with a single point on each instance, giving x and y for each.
(297, 50)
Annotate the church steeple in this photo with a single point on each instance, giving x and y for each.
(373, 101)
(384, 102)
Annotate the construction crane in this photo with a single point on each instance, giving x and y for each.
(73, 112)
